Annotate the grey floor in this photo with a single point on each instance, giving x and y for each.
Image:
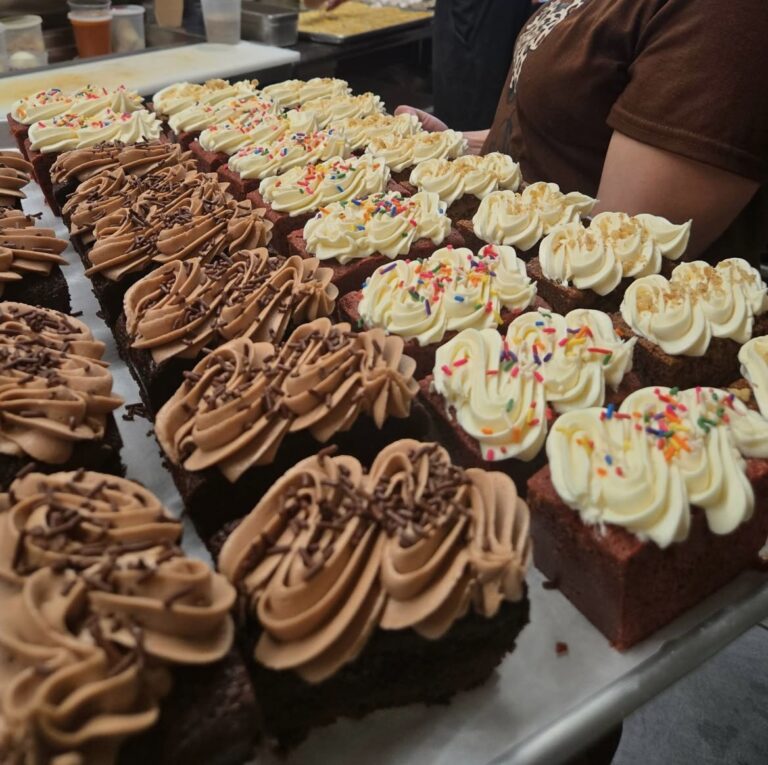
(717, 715)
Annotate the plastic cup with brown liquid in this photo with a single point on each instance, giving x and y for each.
(91, 23)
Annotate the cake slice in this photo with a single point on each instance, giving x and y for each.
(494, 397)
(175, 314)
(365, 589)
(428, 301)
(250, 410)
(57, 395)
(697, 319)
(646, 510)
(117, 647)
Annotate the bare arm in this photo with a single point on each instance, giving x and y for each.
(475, 138)
(641, 178)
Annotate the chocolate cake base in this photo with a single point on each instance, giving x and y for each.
(41, 167)
(394, 669)
(465, 451)
(207, 161)
(207, 719)
(110, 294)
(350, 276)
(20, 133)
(423, 355)
(283, 223)
(102, 456)
(239, 187)
(212, 501)
(627, 588)
(49, 291)
(718, 367)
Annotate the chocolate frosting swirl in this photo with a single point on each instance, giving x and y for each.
(26, 250)
(139, 159)
(97, 601)
(331, 553)
(241, 401)
(205, 223)
(15, 174)
(187, 305)
(54, 390)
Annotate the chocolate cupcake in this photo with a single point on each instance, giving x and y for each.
(30, 260)
(117, 646)
(180, 309)
(646, 510)
(493, 397)
(354, 237)
(428, 301)
(248, 411)
(697, 319)
(58, 401)
(15, 174)
(401, 584)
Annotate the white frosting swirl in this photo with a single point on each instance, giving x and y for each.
(469, 175)
(451, 290)
(334, 109)
(305, 189)
(291, 93)
(401, 152)
(360, 131)
(292, 150)
(698, 302)
(386, 223)
(66, 132)
(522, 219)
(199, 116)
(645, 466)
(753, 357)
(499, 386)
(239, 131)
(181, 95)
(88, 102)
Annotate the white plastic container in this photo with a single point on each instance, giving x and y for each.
(169, 13)
(128, 28)
(222, 21)
(24, 41)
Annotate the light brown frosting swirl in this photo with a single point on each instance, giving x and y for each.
(205, 223)
(184, 306)
(331, 553)
(97, 599)
(137, 159)
(26, 250)
(241, 401)
(15, 174)
(54, 390)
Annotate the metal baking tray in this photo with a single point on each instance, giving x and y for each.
(538, 707)
(342, 39)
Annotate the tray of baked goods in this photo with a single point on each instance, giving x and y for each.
(313, 423)
(355, 21)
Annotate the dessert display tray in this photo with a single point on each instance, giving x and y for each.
(563, 686)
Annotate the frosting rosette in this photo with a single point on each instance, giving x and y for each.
(306, 189)
(469, 175)
(292, 93)
(501, 387)
(202, 115)
(451, 290)
(332, 553)
(385, 223)
(243, 399)
(292, 150)
(51, 396)
(753, 357)
(185, 306)
(698, 302)
(15, 174)
(360, 131)
(330, 110)
(662, 452)
(88, 102)
(404, 151)
(181, 95)
(521, 219)
(99, 602)
(26, 250)
(612, 247)
(68, 131)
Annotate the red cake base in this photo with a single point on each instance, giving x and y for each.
(19, 131)
(628, 588)
(207, 161)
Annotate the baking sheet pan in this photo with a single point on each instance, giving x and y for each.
(538, 707)
(342, 39)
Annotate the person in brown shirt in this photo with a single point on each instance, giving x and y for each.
(657, 106)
